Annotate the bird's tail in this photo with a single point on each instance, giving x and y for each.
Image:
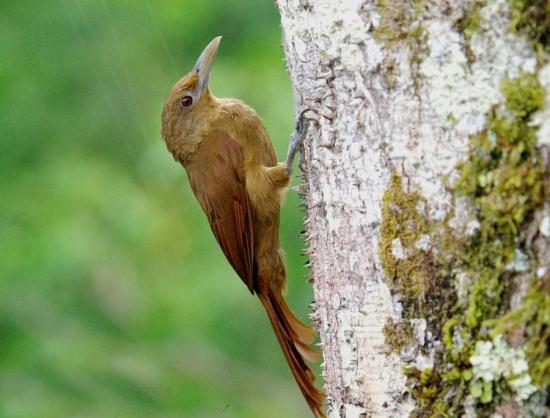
(295, 338)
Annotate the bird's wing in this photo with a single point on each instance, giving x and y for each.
(217, 179)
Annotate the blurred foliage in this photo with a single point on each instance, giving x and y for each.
(115, 300)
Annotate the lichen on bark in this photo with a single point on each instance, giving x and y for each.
(506, 179)
(414, 100)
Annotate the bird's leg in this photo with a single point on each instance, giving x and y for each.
(279, 175)
(296, 140)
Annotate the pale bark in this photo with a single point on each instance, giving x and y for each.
(378, 109)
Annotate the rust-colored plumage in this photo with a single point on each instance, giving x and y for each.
(233, 171)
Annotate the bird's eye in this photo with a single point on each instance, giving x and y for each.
(186, 101)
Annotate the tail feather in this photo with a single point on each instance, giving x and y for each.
(298, 332)
(294, 338)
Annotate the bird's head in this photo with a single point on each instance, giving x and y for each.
(188, 100)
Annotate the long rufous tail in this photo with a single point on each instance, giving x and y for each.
(295, 338)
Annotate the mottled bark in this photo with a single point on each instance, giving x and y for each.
(400, 89)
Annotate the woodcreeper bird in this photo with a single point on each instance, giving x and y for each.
(233, 171)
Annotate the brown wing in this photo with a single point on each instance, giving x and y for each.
(217, 179)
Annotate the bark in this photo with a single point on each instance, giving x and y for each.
(399, 90)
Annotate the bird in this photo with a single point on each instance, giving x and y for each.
(233, 171)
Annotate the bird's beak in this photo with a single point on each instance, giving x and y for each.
(204, 63)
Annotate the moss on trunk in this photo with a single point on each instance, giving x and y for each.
(505, 179)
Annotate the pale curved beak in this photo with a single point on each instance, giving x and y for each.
(204, 63)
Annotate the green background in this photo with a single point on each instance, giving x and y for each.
(115, 300)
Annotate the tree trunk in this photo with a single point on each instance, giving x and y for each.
(426, 189)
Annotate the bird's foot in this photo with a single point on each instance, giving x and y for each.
(296, 140)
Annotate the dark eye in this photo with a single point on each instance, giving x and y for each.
(186, 101)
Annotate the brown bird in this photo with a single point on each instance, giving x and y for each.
(233, 171)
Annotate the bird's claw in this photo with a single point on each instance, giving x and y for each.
(296, 140)
(302, 124)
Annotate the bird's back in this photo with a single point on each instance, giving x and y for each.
(244, 125)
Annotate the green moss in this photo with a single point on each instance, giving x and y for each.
(523, 95)
(403, 225)
(411, 269)
(448, 328)
(468, 24)
(399, 25)
(396, 19)
(532, 320)
(398, 336)
(532, 17)
(505, 178)
(425, 387)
